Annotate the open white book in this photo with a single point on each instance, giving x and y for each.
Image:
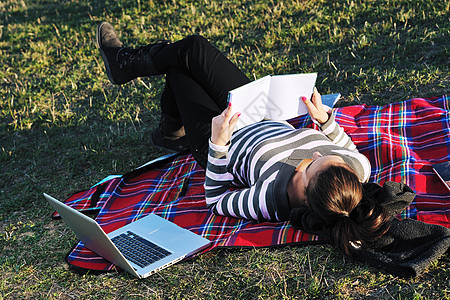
(274, 98)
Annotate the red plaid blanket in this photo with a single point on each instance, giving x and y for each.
(401, 140)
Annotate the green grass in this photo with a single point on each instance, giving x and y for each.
(63, 127)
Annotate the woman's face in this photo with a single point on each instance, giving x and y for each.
(319, 163)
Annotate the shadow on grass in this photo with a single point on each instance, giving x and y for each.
(66, 12)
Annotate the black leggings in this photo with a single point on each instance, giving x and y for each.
(198, 79)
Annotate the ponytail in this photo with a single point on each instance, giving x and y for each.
(335, 196)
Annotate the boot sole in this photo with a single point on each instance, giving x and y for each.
(105, 60)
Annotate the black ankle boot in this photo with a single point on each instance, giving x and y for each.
(170, 134)
(125, 64)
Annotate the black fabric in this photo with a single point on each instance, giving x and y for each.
(409, 246)
(393, 196)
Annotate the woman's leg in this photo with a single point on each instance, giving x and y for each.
(199, 77)
(196, 108)
(205, 64)
(202, 72)
(168, 104)
(170, 133)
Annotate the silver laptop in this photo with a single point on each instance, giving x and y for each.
(141, 248)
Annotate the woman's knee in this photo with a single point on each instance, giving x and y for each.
(196, 44)
(196, 51)
(196, 39)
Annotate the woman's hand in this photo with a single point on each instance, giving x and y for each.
(222, 127)
(315, 107)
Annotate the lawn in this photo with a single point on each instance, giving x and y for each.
(64, 127)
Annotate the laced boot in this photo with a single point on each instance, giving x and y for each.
(170, 134)
(125, 64)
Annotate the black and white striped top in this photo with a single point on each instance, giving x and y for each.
(248, 178)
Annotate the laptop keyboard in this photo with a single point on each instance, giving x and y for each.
(139, 250)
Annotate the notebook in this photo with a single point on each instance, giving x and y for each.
(141, 248)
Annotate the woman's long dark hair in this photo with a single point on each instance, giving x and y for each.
(335, 195)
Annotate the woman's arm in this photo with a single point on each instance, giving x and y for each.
(245, 203)
(326, 122)
(337, 135)
(222, 126)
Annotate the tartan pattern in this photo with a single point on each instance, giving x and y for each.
(83, 200)
(401, 140)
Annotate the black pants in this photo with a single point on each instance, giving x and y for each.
(198, 79)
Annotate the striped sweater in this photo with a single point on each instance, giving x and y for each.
(248, 178)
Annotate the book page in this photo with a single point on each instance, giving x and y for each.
(251, 101)
(284, 95)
